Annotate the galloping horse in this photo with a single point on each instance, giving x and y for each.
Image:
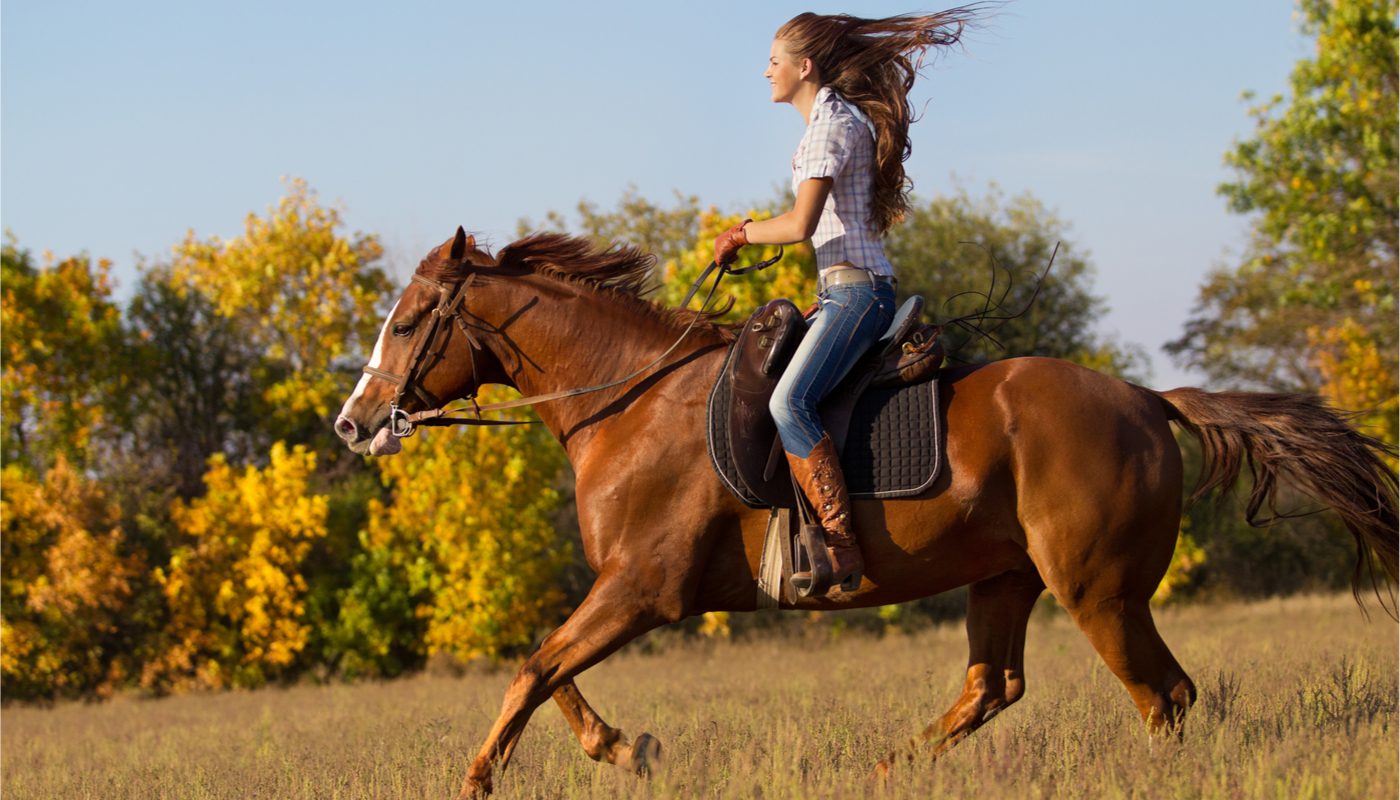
(1056, 477)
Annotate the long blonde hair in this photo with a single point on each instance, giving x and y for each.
(868, 62)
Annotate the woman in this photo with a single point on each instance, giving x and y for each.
(849, 78)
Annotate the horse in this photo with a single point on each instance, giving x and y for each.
(1055, 477)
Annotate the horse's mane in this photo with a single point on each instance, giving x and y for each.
(618, 270)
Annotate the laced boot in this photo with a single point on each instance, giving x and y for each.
(821, 479)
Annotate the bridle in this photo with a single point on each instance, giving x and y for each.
(450, 307)
(451, 295)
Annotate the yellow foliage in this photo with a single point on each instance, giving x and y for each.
(472, 525)
(312, 297)
(1185, 560)
(234, 590)
(795, 277)
(715, 625)
(67, 584)
(62, 337)
(1357, 375)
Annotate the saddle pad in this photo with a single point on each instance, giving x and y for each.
(893, 447)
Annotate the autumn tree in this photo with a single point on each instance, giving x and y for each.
(68, 587)
(794, 277)
(233, 586)
(62, 356)
(1312, 304)
(308, 298)
(464, 559)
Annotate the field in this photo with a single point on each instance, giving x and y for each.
(1298, 700)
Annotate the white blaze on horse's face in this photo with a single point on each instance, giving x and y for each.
(373, 362)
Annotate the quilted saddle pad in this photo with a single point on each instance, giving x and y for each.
(893, 447)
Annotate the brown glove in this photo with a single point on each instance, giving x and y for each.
(727, 244)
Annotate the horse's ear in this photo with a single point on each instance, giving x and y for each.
(460, 243)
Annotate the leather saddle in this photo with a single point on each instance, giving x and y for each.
(908, 353)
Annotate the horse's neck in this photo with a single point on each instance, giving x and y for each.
(575, 337)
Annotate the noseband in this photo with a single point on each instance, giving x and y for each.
(451, 296)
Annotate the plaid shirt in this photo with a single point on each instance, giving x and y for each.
(839, 144)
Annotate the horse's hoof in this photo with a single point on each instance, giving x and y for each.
(645, 755)
(881, 773)
(475, 789)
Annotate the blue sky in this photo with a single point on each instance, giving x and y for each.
(124, 125)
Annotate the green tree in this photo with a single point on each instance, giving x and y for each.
(193, 387)
(1312, 305)
(664, 232)
(964, 254)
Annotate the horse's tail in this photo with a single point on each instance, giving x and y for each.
(1298, 439)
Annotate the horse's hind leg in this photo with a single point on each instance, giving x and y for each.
(1122, 631)
(997, 611)
(600, 740)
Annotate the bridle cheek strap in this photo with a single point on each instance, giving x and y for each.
(449, 306)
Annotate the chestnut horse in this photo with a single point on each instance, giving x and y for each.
(1056, 477)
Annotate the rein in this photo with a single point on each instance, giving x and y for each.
(450, 307)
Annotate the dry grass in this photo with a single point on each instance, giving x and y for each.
(1298, 700)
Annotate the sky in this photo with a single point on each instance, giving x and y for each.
(123, 126)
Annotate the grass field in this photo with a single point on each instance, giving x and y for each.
(1298, 700)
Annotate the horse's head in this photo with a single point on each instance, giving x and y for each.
(429, 351)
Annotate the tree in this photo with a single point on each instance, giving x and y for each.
(1312, 305)
(193, 391)
(964, 254)
(663, 232)
(233, 586)
(69, 584)
(465, 559)
(308, 298)
(62, 356)
(794, 277)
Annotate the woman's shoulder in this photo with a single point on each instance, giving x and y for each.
(832, 111)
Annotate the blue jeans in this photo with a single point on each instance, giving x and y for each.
(850, 319)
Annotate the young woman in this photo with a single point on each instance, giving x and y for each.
(849, 78)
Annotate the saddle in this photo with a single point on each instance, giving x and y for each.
(876, 394)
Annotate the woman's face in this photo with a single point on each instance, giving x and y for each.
(784, 72)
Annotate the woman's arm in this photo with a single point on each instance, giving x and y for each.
(798, 224)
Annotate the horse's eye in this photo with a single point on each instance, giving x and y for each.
(403, 329)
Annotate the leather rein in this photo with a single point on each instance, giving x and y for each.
(450, 308)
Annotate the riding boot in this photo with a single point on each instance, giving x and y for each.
(821, 479)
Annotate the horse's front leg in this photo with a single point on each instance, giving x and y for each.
(615, 612)
(600, 740)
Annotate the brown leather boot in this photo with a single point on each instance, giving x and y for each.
(821, 479)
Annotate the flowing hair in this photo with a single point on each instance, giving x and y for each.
(872, 63)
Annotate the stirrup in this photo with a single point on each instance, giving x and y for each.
(806, 587)
(809, 548)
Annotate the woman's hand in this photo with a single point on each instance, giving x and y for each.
(727, 244)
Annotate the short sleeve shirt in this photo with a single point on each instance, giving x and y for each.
(839, 144)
